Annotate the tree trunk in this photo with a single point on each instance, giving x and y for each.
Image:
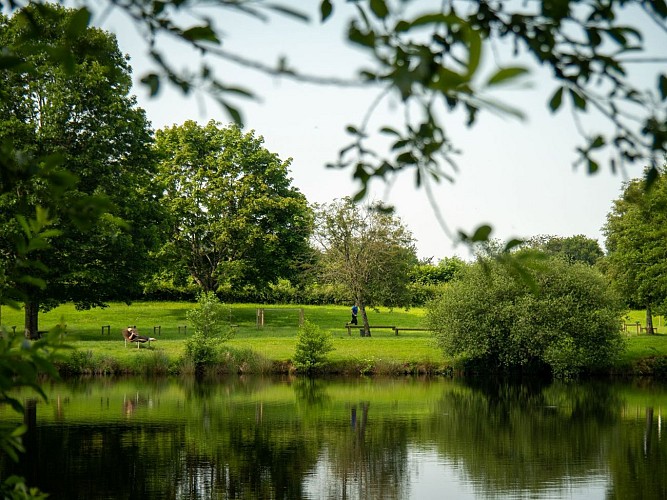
(649, 320)
(364, 317)
(31, 317)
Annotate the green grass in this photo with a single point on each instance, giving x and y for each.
(276, 340)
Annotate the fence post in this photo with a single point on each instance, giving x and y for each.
(107, 328)
(158, 329)
(185, 329)
(301, 316)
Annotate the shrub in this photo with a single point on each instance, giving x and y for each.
(312, 347)
(568, 321)
(210, 330)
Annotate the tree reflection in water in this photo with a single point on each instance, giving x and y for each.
(361, 438)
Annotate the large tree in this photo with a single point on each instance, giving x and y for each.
(78, 123)
(367, 250)
(636, 241)
(235, 217)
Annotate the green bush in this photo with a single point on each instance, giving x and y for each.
(210, 330)
(312, 347)
(567, 319)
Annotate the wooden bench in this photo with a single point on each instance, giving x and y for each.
(411, 329)
(350, 327)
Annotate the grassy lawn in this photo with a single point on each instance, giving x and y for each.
(276, 340)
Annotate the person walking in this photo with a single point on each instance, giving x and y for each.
(355, 311)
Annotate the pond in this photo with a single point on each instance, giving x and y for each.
(400, 438)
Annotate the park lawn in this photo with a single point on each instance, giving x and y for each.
(276, 340)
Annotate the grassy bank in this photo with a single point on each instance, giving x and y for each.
(271, 347)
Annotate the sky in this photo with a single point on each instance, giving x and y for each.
(516, 175)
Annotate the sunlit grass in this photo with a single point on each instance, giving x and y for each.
(276, 340)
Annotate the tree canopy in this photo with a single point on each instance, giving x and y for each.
(367, 250)
(636, 241)
(578, 248)
(234, 217)
(92, 168)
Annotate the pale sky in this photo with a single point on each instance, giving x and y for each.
(517, 176)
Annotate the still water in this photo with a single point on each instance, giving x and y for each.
(398, 438)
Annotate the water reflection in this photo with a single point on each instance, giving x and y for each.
(363, 438)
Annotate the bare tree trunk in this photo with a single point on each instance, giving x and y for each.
(364, 318)
(31, 330)
(649, 320)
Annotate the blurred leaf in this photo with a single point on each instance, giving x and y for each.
(482, 233)
(9, 61)
(511, 244)
(153, 82)
(652, 175)
(379, 8)
(506, 75)
(78, 23)
(201, 33)
(577, 99)
(326, 9)
(556, 100)
(475, 52)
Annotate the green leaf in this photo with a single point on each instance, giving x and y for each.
(439, 18)
(593, 166)
(232, 112)
(506, 75)
(475, 52)
(556, 100)
(482, 233)
(651, 176)
(577, 99)
(78, 23)
(152, 81)
(7, 62)
(201, 34)
(662, 85)
(379, 8)
(326, 9)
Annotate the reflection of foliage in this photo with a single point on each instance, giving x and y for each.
(519, 445)
(310, 392)
(22, 364)
(246, 437)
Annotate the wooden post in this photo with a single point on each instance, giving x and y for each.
(260, 318)
(301, 317)
(157, 329)
(107, 328)
(185, 329)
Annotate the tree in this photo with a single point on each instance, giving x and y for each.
(79, 122)
(577, 248)
(367, 250)
(494, 321)
(636, 241)
(235, 217)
